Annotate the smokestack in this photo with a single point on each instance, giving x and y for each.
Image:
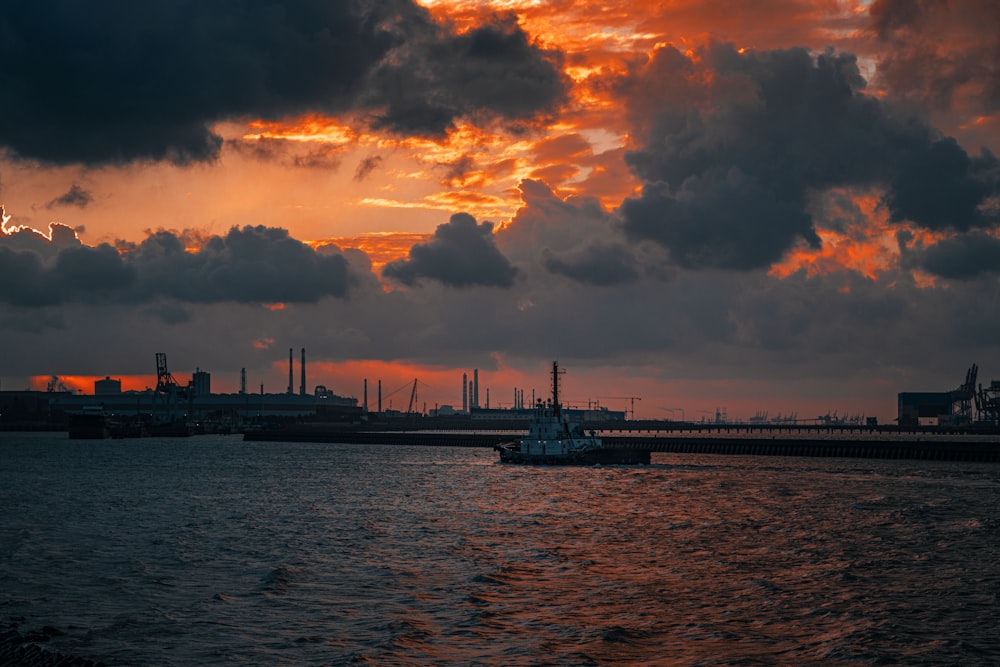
(243, 380)
(380, 396)
(465, 392)
(302, 389)
(290, 362)
(475, 388)
(365, 403)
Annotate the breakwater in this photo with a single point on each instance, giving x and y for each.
(900, 446)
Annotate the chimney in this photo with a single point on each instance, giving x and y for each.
(475, 388)
(290, 362)
(366, 397)
(465, 392)
(302, 389)
(380, 397)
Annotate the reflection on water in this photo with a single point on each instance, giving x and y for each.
(214, 551)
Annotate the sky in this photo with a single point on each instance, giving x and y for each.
(782, 207)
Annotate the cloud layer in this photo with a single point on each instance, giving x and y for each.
(733, 145)
(462, 253)
(249, 265)
(116, 82)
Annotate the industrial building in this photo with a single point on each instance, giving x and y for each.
(923, 407)
(969, 404)
(173, 402)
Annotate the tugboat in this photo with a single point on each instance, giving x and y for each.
(552, 439)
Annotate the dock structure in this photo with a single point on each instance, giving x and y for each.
(867, 446)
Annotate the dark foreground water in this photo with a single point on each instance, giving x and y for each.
(210, 551)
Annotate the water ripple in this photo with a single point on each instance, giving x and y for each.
(215, 551)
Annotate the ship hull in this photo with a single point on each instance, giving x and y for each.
(88, 426)
(602, 456)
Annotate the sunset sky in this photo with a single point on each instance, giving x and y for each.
(782, 206)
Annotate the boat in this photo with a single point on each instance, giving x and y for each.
(89, 423)
(553, 439)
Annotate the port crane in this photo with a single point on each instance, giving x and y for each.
(413, 397)
(167, 388)
(413, 394)
(633, 399)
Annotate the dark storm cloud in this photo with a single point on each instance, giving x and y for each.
(249, 265)
(600, 265)
(75, 196)
(461, 254)
(941, 187)
(493, 68)
(119, 81)
(735, 144)
(963, 257)
(24, 238)
(736, 223)
(75, 273)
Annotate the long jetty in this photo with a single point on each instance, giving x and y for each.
(867, 444)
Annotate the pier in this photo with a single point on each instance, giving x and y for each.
(864, 445)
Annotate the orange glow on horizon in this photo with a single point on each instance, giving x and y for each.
(583, 388)
(84, 384)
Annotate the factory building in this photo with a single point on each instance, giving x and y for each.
(324, 404)
(924, 408)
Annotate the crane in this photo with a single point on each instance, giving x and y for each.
(633, 399)
(413, 393)
(413, 397)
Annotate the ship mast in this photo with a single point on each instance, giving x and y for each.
(556, 408)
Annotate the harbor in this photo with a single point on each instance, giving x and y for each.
(743, 442)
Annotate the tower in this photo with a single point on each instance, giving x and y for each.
(380, 396)
(475, 388)
(201, 383)
(465, 392)
(365, 404)
(243, 380)
(302, 387)
(290, 361)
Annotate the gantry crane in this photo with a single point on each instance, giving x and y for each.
(167, 388)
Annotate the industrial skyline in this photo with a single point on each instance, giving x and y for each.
(771, 207)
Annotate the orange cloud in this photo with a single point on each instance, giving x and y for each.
(263, 343)
(868, 246)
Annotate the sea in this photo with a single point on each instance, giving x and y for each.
(213, 551)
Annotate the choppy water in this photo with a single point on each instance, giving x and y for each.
(210, 550)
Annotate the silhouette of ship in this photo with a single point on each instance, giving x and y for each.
(552, 439)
